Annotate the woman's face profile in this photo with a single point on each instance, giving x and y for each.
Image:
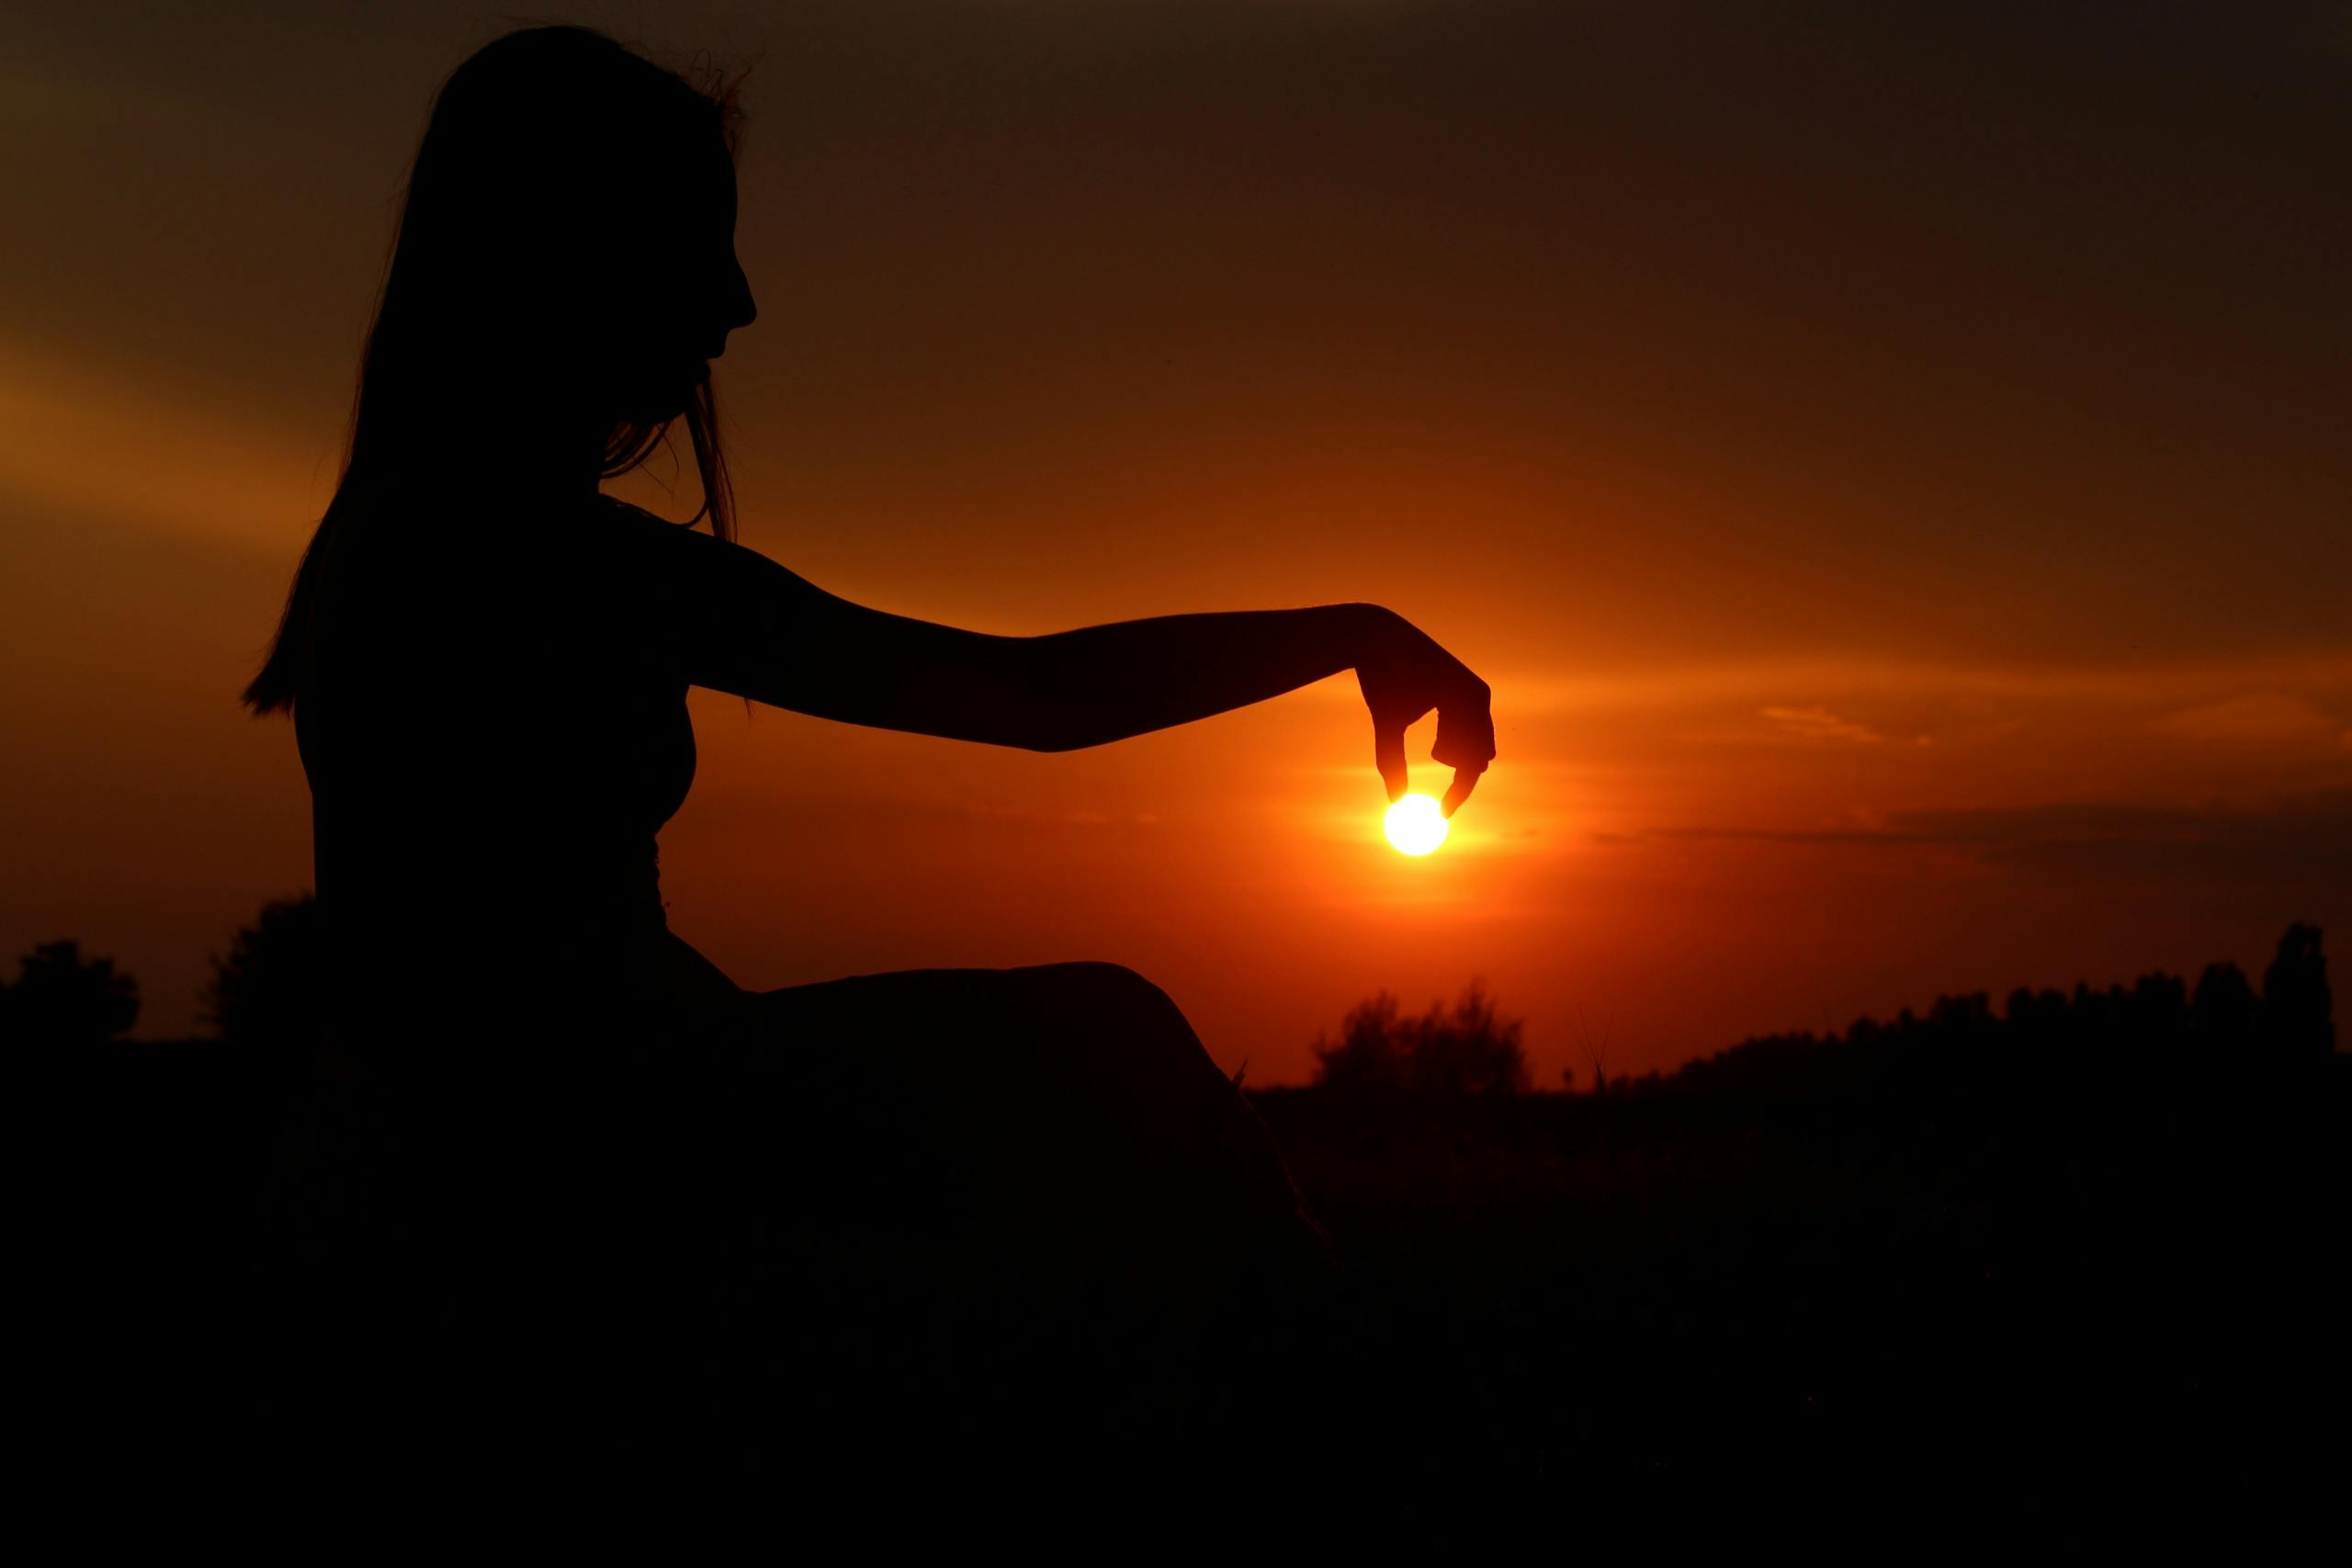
(687, 292)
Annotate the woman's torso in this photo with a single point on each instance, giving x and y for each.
(493, 735)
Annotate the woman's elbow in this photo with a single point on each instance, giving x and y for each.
(1049, 726)
(1057, 737)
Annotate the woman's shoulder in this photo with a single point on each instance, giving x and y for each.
(630, 520)
(635, 529)
(681, 572)
(679, 553)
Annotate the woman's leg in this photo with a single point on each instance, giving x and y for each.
(1029, 1178)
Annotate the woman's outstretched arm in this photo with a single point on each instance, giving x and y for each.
(750, 626)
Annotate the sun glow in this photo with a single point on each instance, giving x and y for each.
(1415, 824)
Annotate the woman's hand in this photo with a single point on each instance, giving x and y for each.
(1404, 674)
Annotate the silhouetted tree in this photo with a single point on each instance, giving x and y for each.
(267, 994)
(60, 999)
(1368, 1056)
(2090, 1040)
(2224, 1005)
(1969, 1014)
(2297, 1009)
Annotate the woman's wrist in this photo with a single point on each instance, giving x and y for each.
(1364, 631)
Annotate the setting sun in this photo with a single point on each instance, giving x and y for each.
(1415, 825)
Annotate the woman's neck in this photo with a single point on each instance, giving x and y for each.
(558, 468)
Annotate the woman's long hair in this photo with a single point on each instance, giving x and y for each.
(513, 244)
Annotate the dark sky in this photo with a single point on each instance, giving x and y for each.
(1887, 458)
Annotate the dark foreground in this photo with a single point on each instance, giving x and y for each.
(2000, 1279)
(1959, 1269)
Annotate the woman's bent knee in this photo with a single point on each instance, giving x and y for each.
(1110, 998)
(1110, 1022)
(1111, 985)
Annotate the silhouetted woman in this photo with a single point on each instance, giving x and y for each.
(563, 1127)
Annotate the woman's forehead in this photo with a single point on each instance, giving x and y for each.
(710, 173)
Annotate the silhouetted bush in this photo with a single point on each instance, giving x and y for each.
(62, 1000)
(1466, 1050)
(267, 995)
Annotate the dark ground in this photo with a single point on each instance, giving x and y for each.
(1977, 1275)
(1671, 1284)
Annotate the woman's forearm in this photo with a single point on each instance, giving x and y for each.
(1104, 683)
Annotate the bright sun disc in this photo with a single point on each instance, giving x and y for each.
(1415, 825)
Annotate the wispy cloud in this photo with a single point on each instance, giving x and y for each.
(2292, 842)
(1820, 723)
(94, 438)
(2176, 683)
(2256, 718)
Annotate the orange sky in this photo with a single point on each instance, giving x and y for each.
(1887, 460)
